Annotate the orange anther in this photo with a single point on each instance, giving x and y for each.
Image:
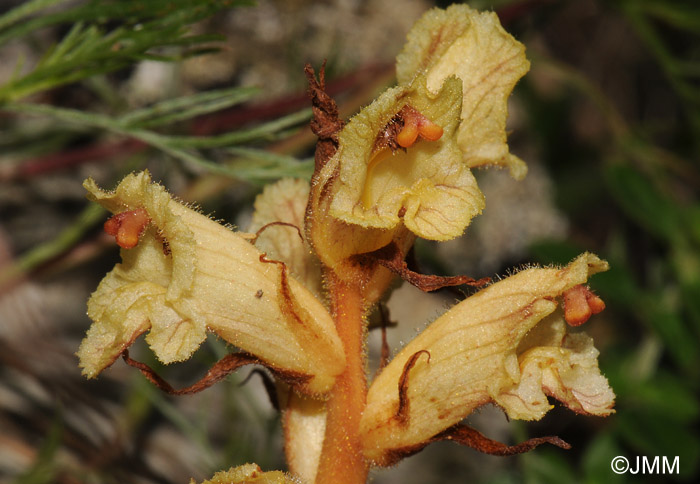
(579, 304)
(127, 227)
(430, 130)
(415, 124)
(595, 303)
(408, 134)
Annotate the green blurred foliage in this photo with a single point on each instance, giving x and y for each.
(637, 206)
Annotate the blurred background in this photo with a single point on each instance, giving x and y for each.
(210, 96)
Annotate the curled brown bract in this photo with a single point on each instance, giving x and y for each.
(402, 413)
(391, 257)
(465, 435)
(221, 369)
(273, 224)
(384, 322)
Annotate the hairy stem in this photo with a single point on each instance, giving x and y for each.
(341, 459)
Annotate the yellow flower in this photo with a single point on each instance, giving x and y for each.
(402, 165)
(400, 169)
(379, 188)
(250, 474)
(507, 345)
(188, 274)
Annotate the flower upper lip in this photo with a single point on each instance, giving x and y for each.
(473, 46)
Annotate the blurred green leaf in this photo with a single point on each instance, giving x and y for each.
(671, 327)
(642, 202)
(263, 166)
(545, 466)
(254, 167)
(617, 285)
(679, 14)
(642, 16)
(262, 132)
(554, 252)
(653, 434)
(667, 395)
(597, 458)
(692, 222)
(88, 218)
(691, 302)
(25, 10)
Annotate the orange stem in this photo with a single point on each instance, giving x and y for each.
(341, 460)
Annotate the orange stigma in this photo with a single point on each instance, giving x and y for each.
(579, 304)
(127, 227)
(414, 125)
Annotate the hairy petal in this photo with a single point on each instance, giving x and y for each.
(189, 274)
(250, 474)
(473, 46)
(476, 357)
